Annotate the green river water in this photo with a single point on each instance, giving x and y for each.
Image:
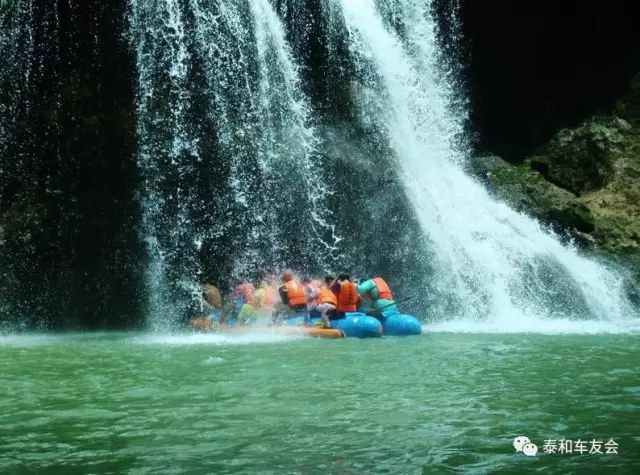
(439, 403)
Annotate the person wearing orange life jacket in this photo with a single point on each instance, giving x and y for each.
(379, 293)
(292, 294)
(348, 298)
(326, 302)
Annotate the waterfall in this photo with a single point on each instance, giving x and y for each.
(492, 263)
(232, 181)
(320, 136)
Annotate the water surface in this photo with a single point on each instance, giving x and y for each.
(443, 402)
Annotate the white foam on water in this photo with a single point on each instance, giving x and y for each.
(213, 360)
(28, 340)
(216, 339)
(551, 326)
(43, 339)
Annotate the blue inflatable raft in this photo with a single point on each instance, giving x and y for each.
(401, 325)
(361, 325)
(356, 325)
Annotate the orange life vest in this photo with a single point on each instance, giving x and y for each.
(348, 297)
(326, 296)
(295, 292)
(384, 292)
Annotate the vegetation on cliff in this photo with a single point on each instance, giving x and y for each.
(584, 184)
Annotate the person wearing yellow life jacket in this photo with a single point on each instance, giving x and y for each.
(266, 298)
(346, 292)
(379, 294)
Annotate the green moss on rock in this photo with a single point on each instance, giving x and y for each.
(586, 183)
(582, 159)
(527, 191)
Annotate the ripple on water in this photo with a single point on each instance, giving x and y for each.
(213, 360)
(446, 402)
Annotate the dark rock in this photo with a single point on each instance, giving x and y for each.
(527, 191)
(585, 183)
(629, 106)
(581, 159)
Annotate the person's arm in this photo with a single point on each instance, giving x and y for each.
(335, 288)
(366, 287)
(284, 295)
(313, 294)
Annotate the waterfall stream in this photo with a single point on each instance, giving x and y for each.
(249, 159)
(492, 262)
(228, 148)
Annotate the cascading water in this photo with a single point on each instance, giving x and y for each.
(232, 180)
(27, 44)
(492, 262)
(237, 168)
(16, 43)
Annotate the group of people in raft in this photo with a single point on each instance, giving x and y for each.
(328, 299)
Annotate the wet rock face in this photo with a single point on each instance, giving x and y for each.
(581, 160)
(528, 191)
(69, 249)
(629, 106)
(585, 184)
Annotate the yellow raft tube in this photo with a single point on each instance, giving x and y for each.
(204, 324)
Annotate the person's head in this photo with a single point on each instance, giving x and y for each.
(306, 280)
(364, 278)
(287, 276)
(328, 279)
(344, 276)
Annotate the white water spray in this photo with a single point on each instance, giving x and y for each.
(240, 183)
(493, 263)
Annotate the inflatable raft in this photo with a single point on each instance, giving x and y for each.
(204, 324)
(354, 325)
(401, 325)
